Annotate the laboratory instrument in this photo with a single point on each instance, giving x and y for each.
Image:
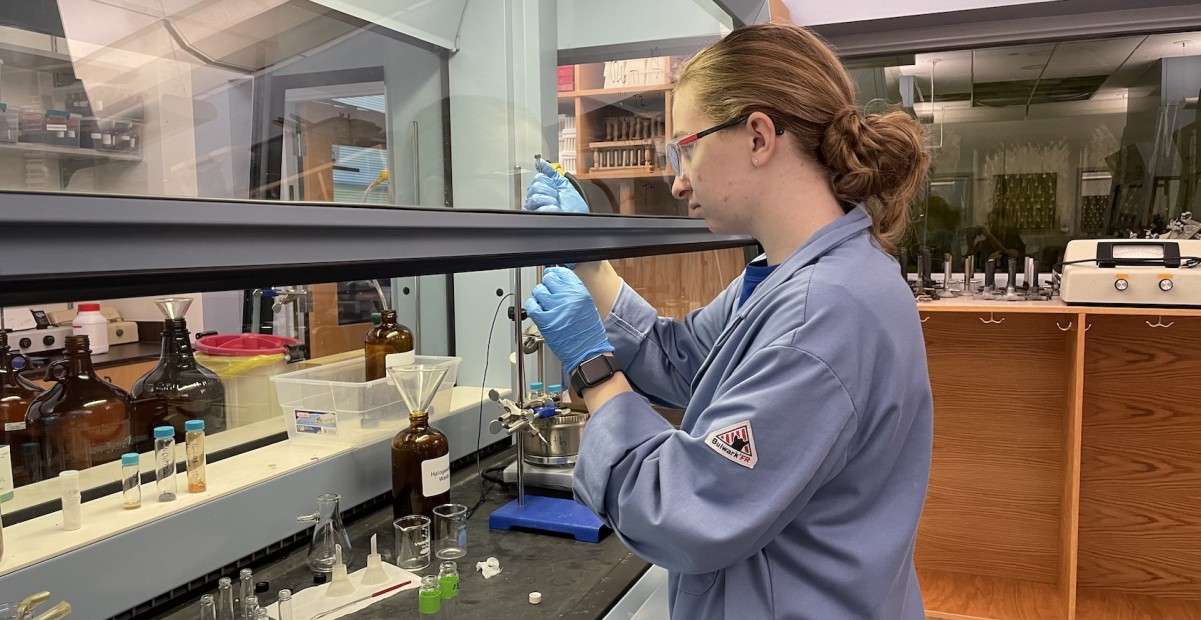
(339, 584)
(420, 453)
(194, 456)
(245, 591)
(182, 388)
(208, 607)
(81, 411)
(412, 542)
(374, 575)
(329, 612)
(450, 531)
(131, 481)
(328, 534)
(1135, 272)
(387, 338)
(448, 581)
(164, 463)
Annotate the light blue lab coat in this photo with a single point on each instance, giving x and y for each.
(826, 362)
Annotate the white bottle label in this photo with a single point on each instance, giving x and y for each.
(435, 476)
(14, 426)
(6, 473)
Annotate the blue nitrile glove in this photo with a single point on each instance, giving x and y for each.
(563, 310)
(552, 192)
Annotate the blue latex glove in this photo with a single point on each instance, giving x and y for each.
(552, 192)
(563, 310)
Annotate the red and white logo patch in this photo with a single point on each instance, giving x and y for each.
(735, 442)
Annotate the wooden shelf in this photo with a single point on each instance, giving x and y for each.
(622, 174)
(967, 304)
(69, 151)
(625, 91)
(958, 596)
(1099, 604)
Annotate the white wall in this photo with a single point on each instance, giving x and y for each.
(588, 23)
(810, 13)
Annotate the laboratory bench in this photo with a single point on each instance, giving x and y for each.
(578, 580)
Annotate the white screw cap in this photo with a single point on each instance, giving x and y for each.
(535, 598)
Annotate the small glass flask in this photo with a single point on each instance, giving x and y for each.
(131, 481)
(327, 533)
(285, 604)
(208, 608)
(430, 596)
(225, 599)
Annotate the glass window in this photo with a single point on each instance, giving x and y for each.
(1035, 145)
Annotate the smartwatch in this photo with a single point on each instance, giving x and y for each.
(594, 371)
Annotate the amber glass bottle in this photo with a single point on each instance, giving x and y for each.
(16, 393)
(83, 420)
(420, 468)
(187, 390)
(387, 337)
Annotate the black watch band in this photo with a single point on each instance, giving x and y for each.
(594, 371)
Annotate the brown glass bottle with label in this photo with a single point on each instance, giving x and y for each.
(186, 389)
(387, 337)
(16, 394)
(420, 468)
(83, 420)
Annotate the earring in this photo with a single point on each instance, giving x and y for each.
(755, 162)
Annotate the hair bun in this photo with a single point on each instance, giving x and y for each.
(873, 155)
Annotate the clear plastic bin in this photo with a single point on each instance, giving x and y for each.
(334, 403)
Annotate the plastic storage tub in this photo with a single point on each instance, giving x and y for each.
(245, 363)
(334, 403)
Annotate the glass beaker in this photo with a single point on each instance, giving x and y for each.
(328, 532)
(450, 531)
(412, 542)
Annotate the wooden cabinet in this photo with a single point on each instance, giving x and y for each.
(1066, 472)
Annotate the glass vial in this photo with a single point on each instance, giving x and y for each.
(194, 455)
(383, 339)
(225, 599)
(245, 590)
(72, 510)
(164, 463)
(448, 584)
(285, 604)
(208, 608)
(131, 481)
(430, 596)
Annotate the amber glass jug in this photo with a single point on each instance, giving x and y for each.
(16, 393)
(186, 390)
(420, 453)
(83, 420)
(383, 339)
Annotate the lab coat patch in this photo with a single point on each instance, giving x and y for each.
(735, 442)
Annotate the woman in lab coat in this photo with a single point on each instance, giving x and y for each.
(794, 485)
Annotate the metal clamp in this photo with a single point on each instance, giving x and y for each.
(1159, 323)
(1063, 329)
(992, 320)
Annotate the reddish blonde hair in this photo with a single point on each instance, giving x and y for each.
(791, 75)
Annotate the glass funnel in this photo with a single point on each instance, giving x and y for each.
(418, 384)
(328, 532)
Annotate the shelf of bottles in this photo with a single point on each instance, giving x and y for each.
(85, 125)
(1027, 201)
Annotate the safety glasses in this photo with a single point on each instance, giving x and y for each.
(677, 148)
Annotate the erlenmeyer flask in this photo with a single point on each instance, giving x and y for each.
(328, 532)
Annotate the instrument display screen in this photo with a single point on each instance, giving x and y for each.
(1138, 250)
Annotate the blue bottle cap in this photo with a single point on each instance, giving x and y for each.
(536, 386)
(193, 425)
(163, 432)
(554, 388)
(129, 458)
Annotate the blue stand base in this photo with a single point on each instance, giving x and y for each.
(548, 514)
